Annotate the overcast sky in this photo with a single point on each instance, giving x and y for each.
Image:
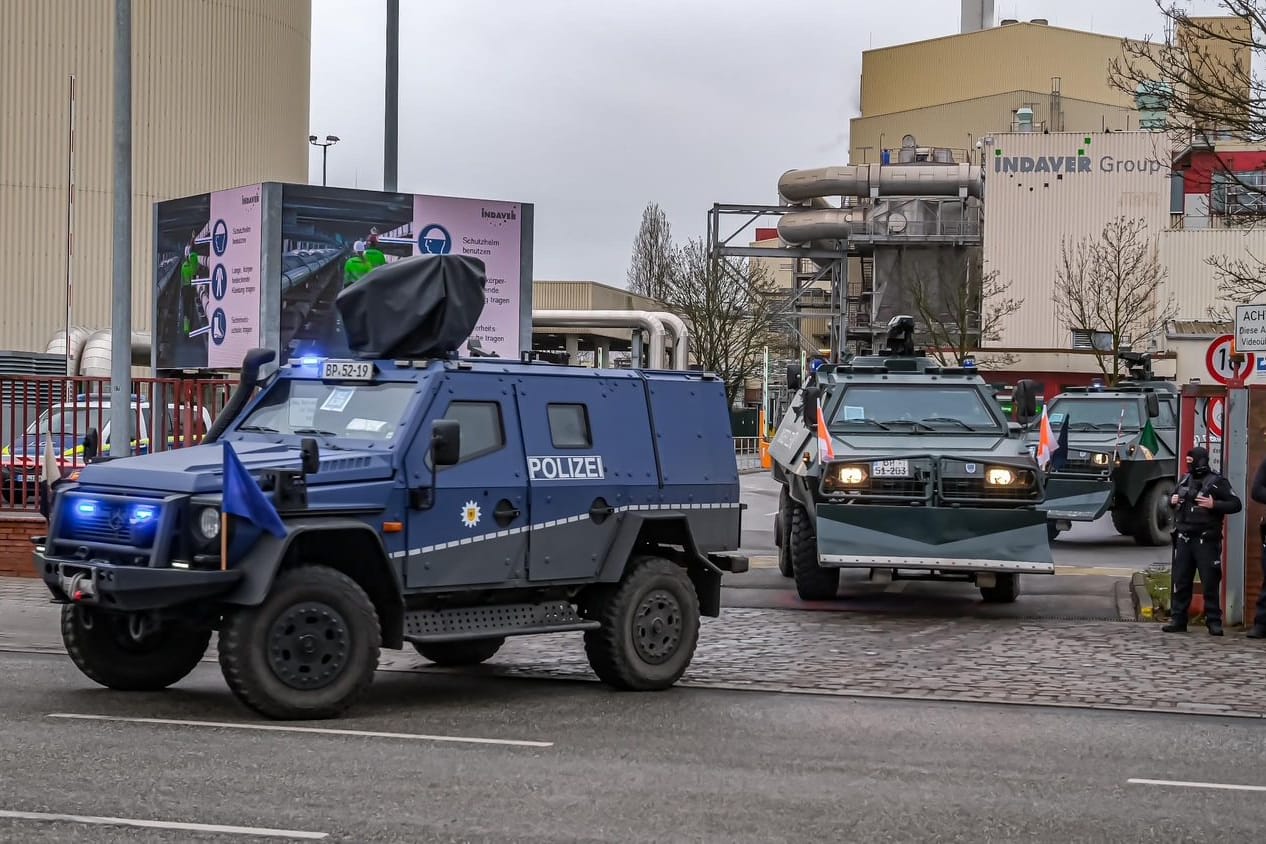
(591, 108)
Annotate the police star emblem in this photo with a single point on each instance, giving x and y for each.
(470, 514)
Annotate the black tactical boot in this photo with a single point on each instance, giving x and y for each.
(1175, 627)
(1258, 632)
(1215, 628)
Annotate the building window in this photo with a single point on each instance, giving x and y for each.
(482, 431)
(1100, 341)
(569, 426)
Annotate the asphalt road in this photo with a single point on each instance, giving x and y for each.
(680, 765)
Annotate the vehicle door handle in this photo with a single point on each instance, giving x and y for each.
(599, 510)
(505, 513)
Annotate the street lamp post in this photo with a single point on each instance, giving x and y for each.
(330, 140)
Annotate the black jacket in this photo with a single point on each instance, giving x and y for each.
(1258, 490)
(1190, 517)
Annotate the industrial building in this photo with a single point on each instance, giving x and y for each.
(202, 119)
(1024, 145)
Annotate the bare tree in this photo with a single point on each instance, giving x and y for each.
(651, 265)
(731, 307)
(960, 308)
(1201, 78)
(1112, 284)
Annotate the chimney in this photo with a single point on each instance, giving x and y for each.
(976, 15)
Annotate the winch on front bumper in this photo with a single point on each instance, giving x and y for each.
(116, 552)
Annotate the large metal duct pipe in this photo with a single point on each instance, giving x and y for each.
(893, 180)
(645, 320)
(58, 346)
(95, 362)
(681, 338)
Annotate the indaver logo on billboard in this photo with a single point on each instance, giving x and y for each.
(1069, 164)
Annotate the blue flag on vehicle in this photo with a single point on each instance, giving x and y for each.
(243, 497)
(1059, 457)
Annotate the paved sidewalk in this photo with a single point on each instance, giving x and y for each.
(1098, 664)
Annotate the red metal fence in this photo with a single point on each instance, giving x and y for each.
(166, 413)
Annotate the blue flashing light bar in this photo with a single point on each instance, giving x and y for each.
(309, 360)
(87, 508)
(142, 513)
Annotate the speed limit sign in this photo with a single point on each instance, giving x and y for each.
(1213, 415)
(1218, 361)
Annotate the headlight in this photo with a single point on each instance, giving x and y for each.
(209, 522)
(851, 475)
(1099, 459)
(998, 476)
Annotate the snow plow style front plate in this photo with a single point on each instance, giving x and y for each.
(933, 538)
(1076, 499)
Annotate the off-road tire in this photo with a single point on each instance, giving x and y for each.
(784, 533)
(1153, 518)
(252, 668)
(813, 582)
(651, 585)
(453, 654)
(1005, 592)
(1122, 520)
(106, 655)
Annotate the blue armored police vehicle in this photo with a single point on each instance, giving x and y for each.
(404, 495)
(896, 465)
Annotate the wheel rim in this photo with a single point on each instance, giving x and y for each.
(308, 645)
(657, 627)
(1164, 518)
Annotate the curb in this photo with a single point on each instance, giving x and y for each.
(1143, 610)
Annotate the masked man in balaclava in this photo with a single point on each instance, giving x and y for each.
(1203, 499)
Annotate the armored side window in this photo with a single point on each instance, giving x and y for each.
(482, 430)
(1167, 419)
(569, 426)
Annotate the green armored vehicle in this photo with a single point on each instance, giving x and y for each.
(911, 470)
(1121, 457)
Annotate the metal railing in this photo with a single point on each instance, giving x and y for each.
(166, 413)
(747, 452)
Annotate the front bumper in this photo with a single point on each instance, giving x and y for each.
(129, 588)
(1077, 499)
(933, 538)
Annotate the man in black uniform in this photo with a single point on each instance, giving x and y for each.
(1203, 498)
(1258, 494)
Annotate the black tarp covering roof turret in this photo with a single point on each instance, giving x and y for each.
(419, 307)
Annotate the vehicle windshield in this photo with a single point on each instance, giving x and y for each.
(939, 408)
(1095, 414)
(70, 421)
(313, 408)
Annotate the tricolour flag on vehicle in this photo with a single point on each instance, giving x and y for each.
(1045, 440)
(826, 451)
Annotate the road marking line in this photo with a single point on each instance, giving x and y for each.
(282, 729)
(1181, 784)
(191, 827)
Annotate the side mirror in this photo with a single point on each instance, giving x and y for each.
(90, 444)
(311, 455)
(793, 377)
(810, 414)
(1153, 405)
(446, 442)
(1024, 400)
